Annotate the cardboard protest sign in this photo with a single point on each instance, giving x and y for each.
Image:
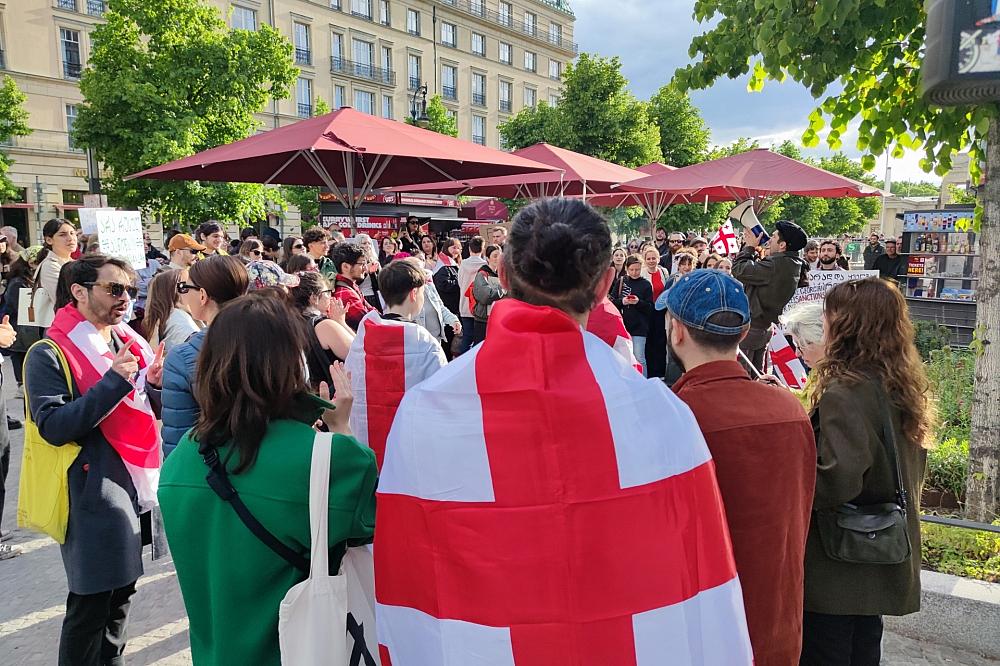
(120, 234)
(821, 282)
(88, 219)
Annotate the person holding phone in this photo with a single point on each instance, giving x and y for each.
(633, 296)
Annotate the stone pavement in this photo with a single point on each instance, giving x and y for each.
(34, 593)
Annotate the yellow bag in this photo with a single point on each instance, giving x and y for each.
(43, 494)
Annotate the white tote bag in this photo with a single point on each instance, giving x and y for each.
(312, 618)
(35, 307)
(362, 639)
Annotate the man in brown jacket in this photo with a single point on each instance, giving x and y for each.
(764, 451)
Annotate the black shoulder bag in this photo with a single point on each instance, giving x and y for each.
(870, 533)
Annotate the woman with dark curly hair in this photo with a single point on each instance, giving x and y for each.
(872, 415)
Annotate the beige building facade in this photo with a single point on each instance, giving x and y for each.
(488, 59)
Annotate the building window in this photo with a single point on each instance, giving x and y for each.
(336, 52)
(362, 8)
(387, 106)
(96, 7)
(530, 23)
(479, 130)
(478, 89)
(304, 97)
(383, 12)
(335, 4)
(70, 43)
(555, 69)
(449, 34)
(364, 57)
(66, 4)
(339, 97)
(506, 13)
(244, 18)
(506, 54)
(553, 99)
(477, 7)
(386, 63)
(364, 101)
(413, 22)
(479, 44)
(303, 52)
(530, 64)
(413, 71)
(555, 34)
(530, 97)
(70, 121)
(506, 93)
(449, 76)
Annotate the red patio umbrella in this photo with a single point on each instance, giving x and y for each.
(758, 174)
(349, 152)
(577, 175)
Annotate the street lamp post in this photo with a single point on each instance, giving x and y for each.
(421, 119)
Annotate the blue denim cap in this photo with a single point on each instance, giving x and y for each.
(697, 296)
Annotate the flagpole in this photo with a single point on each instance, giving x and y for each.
(749, 363)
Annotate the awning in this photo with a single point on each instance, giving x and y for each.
(17, 205)
(69, 206)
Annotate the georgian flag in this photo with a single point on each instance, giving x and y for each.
(783, 358)
(606, 322)
(562, 510)
(725, 241)
(387, 358)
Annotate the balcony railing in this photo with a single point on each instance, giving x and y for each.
(3, 61)
(481, 140)
(66, 4)
(303, 56)
(449, 92)
(72, 70)
(363, 70)
(367, 17)
(473, 7)
(96, 7)
(305, 110)
(414, 83)
(479, 99)
(505, 105)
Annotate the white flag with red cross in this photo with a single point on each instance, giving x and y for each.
(605, 321)
(725, 240)
(564, 510)
(386, 358)
(785, 361)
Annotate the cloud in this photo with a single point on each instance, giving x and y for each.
(652, 37)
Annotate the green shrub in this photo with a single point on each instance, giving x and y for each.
(961, 552)
(952, 375)
(930, 336)
(947, 466)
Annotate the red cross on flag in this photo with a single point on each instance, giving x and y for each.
(785, 361)
(386, 358)
(606, 322)
(564, 511)
(725, 240)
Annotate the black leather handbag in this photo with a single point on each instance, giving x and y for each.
(870, 533)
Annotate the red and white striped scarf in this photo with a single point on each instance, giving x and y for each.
(443, 260)
(130, 428)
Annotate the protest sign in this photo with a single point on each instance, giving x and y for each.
(120, 234)
(88, 219)
(821, 282)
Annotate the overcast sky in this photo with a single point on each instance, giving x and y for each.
(652, 37)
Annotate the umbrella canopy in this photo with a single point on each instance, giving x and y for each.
(577, 175)
(756, 174)
(348, 152)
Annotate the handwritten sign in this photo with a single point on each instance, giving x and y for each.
(120, 234)
(88, 219)
(821, 282)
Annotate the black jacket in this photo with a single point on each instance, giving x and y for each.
(890, 268)
(636, 317)
(446, 283)
(769, 283)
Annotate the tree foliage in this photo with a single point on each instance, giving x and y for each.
(909, 188)
(13, 123)
(169, 79)
(440, 120)
(596, 116)
(683, 133)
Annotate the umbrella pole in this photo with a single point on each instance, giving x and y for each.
(349, 175)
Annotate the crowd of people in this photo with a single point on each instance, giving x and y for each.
(416, 348)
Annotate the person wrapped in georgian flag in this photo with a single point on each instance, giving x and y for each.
(606, 322)
(390, 354)
(563, 509)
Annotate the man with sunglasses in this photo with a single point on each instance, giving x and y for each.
(107, 410)
(352, 266)
(675, 241)
(183, 251)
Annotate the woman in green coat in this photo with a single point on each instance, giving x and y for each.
(256, 412)
(870, 359)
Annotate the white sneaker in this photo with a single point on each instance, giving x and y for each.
(7, 551)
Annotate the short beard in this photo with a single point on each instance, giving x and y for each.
(828, 262)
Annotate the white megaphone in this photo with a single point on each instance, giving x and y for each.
(745, 215)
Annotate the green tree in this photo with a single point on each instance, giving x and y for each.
(683, 133)
(440, 120)
(13, 122)
(169, 79)
(863, 58)
(908, 188)
(596, 116)
(306, 197)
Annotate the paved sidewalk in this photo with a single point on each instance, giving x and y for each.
(34, 594)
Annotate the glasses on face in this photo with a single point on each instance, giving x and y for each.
(326, 292)
(298, 246)
(256, 253)
(674, 241)
(115, 289)
(185, 287)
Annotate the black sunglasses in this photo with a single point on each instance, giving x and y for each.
(185, 287)
(298, 246)
(256, 253)
(115, 289)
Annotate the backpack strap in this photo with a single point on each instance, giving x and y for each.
(48, 342)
